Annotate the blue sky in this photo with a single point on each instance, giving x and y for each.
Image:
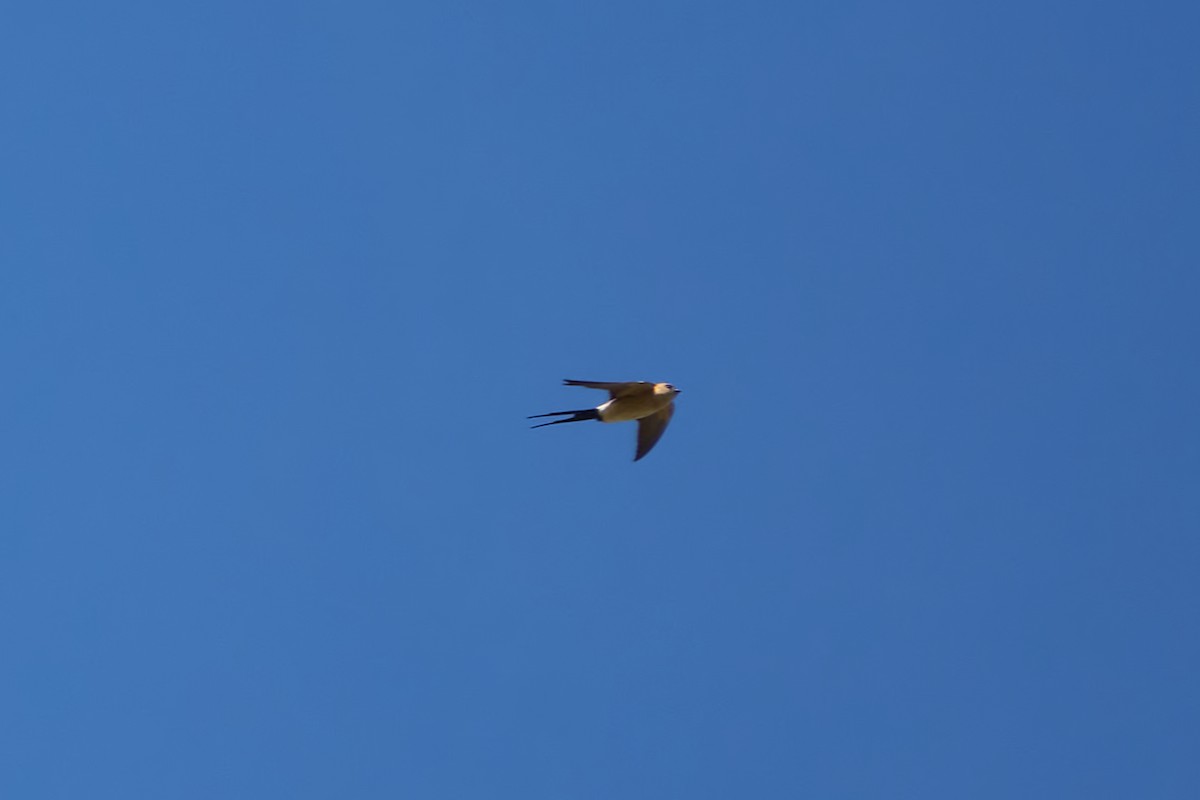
(280, 282)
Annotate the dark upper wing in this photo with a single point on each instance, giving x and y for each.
(623, 389)
(650, 430)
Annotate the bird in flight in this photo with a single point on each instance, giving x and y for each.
(651, 404)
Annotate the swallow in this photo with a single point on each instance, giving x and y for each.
(651, 404)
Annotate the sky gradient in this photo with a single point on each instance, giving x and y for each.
(279, 283)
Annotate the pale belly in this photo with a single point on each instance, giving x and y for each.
(625, 409)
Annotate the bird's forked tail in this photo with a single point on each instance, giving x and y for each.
(580, 416)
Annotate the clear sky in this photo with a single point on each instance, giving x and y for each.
(279, 283)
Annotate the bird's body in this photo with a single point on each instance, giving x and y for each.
(634, 406)
(651, 404)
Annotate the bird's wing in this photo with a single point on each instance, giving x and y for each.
(650, 430)
(614, 390)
